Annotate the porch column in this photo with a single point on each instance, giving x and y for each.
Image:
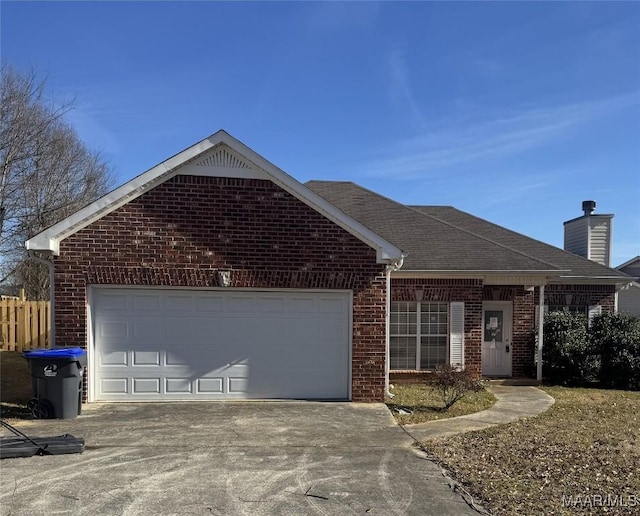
(540, 331)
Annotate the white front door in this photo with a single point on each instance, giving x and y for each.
(496, 340)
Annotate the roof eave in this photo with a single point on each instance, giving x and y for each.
(547, 276)
(629, 262)
(43, 244)
(50, 238)
(480, 272)
(592, 280)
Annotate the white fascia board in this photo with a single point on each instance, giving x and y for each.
(49, 239)
(591, 280)
(479, 274)
(550, 276)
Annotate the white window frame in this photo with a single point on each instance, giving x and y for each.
(417, 330)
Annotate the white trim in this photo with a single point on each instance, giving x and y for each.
(513, 277)
(90, 346)
(49, 239)
(474, 274)
(545, 311)
(496, 277)
(512, 280)
(350, 372)
(456, 334)
(417, 365)
(417, 334)
(387, 332)
(586, 280)
(541, 309)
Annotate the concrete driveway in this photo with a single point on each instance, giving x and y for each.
(231, 458)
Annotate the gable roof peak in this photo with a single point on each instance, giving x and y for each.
(219, 155)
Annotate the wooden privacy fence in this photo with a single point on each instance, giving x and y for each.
(24, 324)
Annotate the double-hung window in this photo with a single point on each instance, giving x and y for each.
(419, 336)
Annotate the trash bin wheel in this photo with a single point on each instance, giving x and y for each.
(40, 409)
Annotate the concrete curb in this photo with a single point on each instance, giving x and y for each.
(514, 402)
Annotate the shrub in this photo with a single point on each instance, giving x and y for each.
(454, 384)
(568, 355)
(617, 339)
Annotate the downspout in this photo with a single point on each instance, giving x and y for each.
(540, 331)
(52, 299)
(393, 266)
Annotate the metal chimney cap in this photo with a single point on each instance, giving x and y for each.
(588, 207)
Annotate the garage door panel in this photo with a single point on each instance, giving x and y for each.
(146, 358)
(301, 305)
(241, 305)
(210, 385)
(178, 386)
(114, 386)
(146, 385)
(145, 329)
(146, 302)
(331, 306)
(238, 385)
(272, 305)
(173, 344)
(113, 358)
(113, 302)
(178, 303)
(209, 304)
(117, 330)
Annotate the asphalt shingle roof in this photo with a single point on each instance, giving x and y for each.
(442, 238)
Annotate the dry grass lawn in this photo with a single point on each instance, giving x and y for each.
(426, 405)
(586, 448)
(15, 385)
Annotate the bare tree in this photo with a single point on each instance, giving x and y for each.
(46, 173)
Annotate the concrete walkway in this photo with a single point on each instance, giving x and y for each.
(513, 402)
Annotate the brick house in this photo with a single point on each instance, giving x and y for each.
(215, 275)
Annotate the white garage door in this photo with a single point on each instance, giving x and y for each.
(161, 344)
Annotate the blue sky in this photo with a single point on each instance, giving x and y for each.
(515, 112)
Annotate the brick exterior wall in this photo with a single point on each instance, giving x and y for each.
(473, 293)
(583, 295)
(185, 230)
(447, 291)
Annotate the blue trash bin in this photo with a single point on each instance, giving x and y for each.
(56, 377)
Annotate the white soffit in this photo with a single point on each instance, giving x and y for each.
(220, 155)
